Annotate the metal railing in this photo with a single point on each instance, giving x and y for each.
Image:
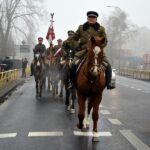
(8, 76)
(136, 74)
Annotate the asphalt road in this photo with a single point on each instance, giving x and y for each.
(30, 124)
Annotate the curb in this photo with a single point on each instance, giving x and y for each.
(9, 88)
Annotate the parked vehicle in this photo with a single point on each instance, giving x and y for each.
(113, 78)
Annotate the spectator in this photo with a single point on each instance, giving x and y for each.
(24, 66)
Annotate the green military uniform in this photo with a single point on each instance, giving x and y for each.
(69, 44)
(84, 34)
(39, 48)
(59, 55)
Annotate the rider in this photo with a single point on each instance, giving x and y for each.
(69, 44)
(49, 51)
(82, 35)
(57, 51)
(39, 48)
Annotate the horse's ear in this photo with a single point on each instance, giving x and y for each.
(92, 40)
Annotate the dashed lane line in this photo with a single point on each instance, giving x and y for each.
(8, 135)
(39, 134)
(146, 91)
(139, 89)
(80, 133)
(115, 121)
(134, 140)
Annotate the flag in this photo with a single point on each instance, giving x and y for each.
(50, 34)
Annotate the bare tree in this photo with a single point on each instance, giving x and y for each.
(118, 28)
(16, 16)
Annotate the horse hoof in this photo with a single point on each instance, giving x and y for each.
(68, 108)
(80, 126)
(95, 139)
(72, 111)
(87, 126)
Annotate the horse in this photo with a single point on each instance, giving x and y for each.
(39, 74)
(90, 83)
(65, 75)
(54, 75)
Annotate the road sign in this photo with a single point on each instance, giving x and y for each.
(24, 48)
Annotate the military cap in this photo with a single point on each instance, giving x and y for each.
(92, 14)
(59, 40)
(70, 32)
(40, 38)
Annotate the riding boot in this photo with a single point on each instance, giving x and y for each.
(108, 74)
(72, 76)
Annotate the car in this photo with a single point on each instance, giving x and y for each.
(113, 79)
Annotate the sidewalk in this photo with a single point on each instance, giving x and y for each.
(8, 88)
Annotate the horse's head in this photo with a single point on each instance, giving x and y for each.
(38, 59)
(95, 54)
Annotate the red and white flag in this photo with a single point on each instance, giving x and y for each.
(50, 34)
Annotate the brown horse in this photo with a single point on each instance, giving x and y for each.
(90, 83)
(39, 74)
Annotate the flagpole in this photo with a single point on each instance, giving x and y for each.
(52, 20)
(50, 34)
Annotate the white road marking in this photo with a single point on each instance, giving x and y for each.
(105, 112)
(134, 140)
(146, 91)
(139, 89)
(115, 121)
(80, 133)
(37, 134)
(132, 87)
(8, 135)
(126, 85)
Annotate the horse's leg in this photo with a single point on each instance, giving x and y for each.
(56, 87)
(36, 81)
(95, 116)
(61, 88)
(89, 107)
(73, 97)
(41, 83)
(67, 97)
(81, 113)
(48, 82)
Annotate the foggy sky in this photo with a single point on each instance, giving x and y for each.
(69, 14)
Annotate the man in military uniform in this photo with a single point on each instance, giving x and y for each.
(83, 34)
(39, 48)
(49, 52)
(69, 44)
(57, 51)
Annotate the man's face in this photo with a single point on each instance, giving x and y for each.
(40, 41)
(92, 20)
(70, 35)
(60, 43)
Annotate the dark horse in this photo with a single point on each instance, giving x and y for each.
(65, 73)
(54, 75)
(90, 83)
(39, 74)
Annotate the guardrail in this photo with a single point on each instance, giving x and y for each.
(136, 74)
(11, 75)
(8, 76)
